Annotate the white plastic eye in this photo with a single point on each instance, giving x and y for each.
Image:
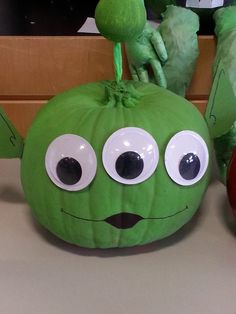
(130, 155)
(71, 162)
(186, 158)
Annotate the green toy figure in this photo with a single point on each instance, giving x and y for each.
(177, 47)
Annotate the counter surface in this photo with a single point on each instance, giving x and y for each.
(193, 271)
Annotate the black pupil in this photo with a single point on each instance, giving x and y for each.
(129, 165)
(189, 166)
(69, 170)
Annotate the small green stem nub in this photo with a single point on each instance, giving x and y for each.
(118, 62)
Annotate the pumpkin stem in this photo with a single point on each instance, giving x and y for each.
(118, 61)
(122, 93)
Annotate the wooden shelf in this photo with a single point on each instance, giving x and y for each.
(33, 69)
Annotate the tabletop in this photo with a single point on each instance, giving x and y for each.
(193, 271)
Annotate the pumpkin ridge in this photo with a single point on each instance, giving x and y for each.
(145, 122)
(93, 227)
(119, 240)
(129, 120)
(124, 186)
(65, 225)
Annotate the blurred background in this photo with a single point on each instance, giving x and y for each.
(48, 17)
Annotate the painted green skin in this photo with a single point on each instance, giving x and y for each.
(83, 111)
(179, 33)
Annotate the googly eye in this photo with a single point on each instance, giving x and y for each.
(71, 162)
(186, 158)
(130, 155)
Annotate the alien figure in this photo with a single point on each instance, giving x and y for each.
(113, 164)
(118, 163)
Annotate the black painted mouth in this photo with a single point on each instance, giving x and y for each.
(123, 220)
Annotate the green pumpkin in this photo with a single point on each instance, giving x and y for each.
(131, 192)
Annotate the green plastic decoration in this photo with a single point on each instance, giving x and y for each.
(147, 50)
(171, 50)
(177, 34)
(11, 141)
(221, 108)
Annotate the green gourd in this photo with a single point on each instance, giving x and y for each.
(121, 203)
(120, 20)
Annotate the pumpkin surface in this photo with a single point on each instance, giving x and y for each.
(159, 205)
